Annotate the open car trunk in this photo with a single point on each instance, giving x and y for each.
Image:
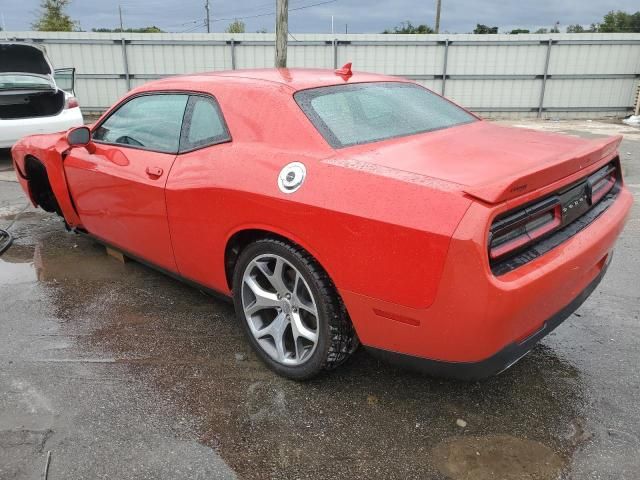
(31, 104)
(27, 87)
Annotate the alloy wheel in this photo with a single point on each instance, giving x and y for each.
(280, 309)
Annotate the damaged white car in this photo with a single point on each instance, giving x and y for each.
(33, 97)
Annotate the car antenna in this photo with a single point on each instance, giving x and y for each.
(345, 70)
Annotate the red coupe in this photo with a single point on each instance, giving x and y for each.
(337, 208)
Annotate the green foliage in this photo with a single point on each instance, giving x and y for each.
(620, 21)
(577, 28)
(408, 27)
(53, 17)
(237, 26)
(152, 29)
(542, 30)
(516, 31)
(480, 29)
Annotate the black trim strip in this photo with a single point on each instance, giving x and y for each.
(497, 363)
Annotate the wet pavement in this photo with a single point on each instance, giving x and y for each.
(121, 372)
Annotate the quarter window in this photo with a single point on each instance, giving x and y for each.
(152, 122)
(204, 124)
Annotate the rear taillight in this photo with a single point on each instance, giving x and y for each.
(72, 102)
(601, 183)
(521, 235)
(513, 232)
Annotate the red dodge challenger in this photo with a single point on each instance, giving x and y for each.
(337, 208)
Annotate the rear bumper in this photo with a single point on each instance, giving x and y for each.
(482, 322)
(499, 362)
(13, 130)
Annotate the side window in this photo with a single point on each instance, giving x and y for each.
(204, 124)
(152, 122)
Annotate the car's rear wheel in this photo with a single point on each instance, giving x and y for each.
(290, 310)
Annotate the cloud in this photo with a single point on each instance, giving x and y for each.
(362, 16)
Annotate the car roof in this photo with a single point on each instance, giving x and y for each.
(295, 78)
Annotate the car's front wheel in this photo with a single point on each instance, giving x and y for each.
(290, 310)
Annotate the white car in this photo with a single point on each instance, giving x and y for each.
(33, 97)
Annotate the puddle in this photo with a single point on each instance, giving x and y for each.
(497, 456)
(15, 273)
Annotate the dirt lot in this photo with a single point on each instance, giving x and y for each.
(121, 372)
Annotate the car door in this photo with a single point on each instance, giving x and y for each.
(118, 187)
(65, 79)
(192, 192)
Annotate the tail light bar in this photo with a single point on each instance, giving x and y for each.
(521, 228)
(601, 183)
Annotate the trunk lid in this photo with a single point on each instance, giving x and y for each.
(487, 161)
(23, 58)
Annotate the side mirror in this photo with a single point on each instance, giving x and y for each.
(79, 137)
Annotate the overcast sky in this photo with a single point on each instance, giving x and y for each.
(362, 16)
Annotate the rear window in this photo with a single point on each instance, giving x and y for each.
(369, 112)
(23, 81)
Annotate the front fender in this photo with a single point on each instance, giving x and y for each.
(48, 150)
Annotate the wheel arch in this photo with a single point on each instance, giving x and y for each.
(239, 239)
(39, 184)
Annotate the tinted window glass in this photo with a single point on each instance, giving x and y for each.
(367, 112)
(205, 125)
(152, 122)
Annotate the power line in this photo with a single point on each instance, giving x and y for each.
(250, 10)
(272, 13)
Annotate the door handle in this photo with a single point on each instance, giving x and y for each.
(154, 171)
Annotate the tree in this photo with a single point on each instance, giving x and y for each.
(408, 27)
(577, 28)
(480, 29)
(542, 30)
(152, 29)
(516, 31)
(237, 26)
(620, 21)
(53, 17)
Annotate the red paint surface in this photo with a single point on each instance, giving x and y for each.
(401, 225)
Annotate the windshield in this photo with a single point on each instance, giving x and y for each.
(368, 112)
(12, 81)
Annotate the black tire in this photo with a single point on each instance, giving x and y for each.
(337, 339)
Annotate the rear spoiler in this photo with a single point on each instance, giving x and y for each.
(547, 172)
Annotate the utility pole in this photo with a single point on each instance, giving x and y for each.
(438, 7)
(282, 32)
(208, 19)
(120, 12)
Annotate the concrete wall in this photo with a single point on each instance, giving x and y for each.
(557, 75)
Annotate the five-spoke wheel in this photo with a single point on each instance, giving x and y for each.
(290, 309)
